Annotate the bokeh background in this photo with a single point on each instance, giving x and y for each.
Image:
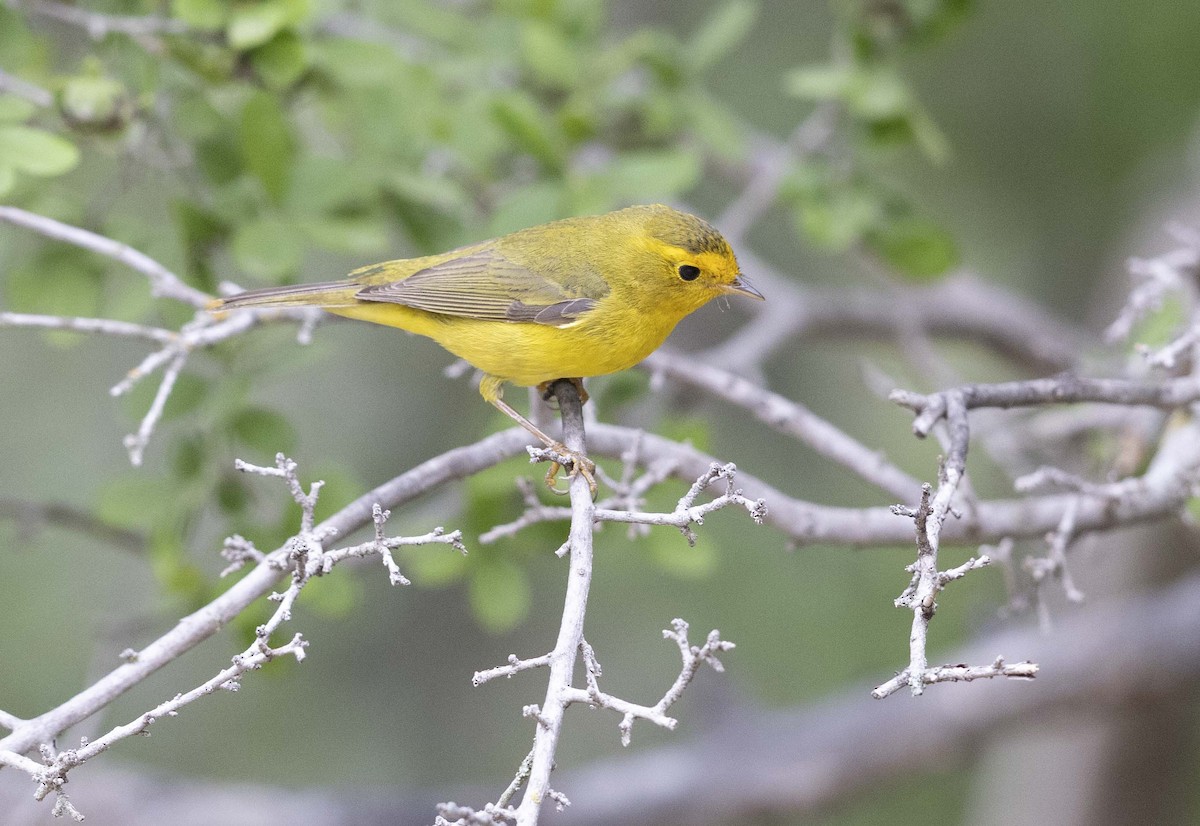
(1069, 134)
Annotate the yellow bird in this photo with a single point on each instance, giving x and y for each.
(572, 298)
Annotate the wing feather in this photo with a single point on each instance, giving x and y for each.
(484, 285)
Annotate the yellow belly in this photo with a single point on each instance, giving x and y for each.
(525, 353)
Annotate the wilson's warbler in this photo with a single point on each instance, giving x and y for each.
(573, 298)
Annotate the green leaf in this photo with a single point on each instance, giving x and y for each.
(281, 61)
(268, 248)
(206, 15)
(820, 82)
(721, 33)
(532, 129)
(437, 193)
(838, 218)
(353, 234)
(356, 64)
(219, 159)
(321, 185)
(879, 94)
(14, 109)
(550, 57)
(188, 456)
(498, 592)
(254, 24)
(189, 392)
(264, 430)
(8, 178)
(94, 102)
(928, 136)
(916, 247)
(268, 146)
(36, 152)
(653, 174)
(691, 430)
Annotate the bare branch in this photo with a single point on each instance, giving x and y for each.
(562, 658)
(32, 516)
(1168, 482)
(1153, 279)
(136, 443)
(104, 326)
(98, 25)
(163, 282)
(686, 513)
(788, 417)
(22, 88)
(693, 657)
(1064, 389)
(307, 559)
(961, 306)
(515, 666)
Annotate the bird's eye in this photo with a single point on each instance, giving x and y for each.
(688, 273)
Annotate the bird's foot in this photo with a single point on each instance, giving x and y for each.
(560, 456)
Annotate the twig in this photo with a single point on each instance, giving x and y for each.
(103, 326)
(307, 558)
(1153, 279)
(1065, 389)
(136, 443)
(1168, 484)
(22, 88)
(562, 658)
(693, 657)
(788, 417)
(98, 25)
(961, 306)
(921, 594)
(30, 516)
(686, 512)
(163, 282)
(959, 674)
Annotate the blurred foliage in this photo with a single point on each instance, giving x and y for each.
(251, 139)
(839, 194)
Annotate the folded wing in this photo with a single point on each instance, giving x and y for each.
(484, 285)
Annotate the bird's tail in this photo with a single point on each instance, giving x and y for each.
(327, 294)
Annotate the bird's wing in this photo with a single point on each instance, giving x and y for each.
(485, 285)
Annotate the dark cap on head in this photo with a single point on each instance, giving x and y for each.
(685, 231)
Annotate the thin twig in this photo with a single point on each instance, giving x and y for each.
(99, 25)
(163, 282)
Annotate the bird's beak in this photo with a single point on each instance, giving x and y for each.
(741, 286)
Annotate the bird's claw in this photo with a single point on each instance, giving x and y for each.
(580, 465)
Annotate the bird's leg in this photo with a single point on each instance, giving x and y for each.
(580, 465)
